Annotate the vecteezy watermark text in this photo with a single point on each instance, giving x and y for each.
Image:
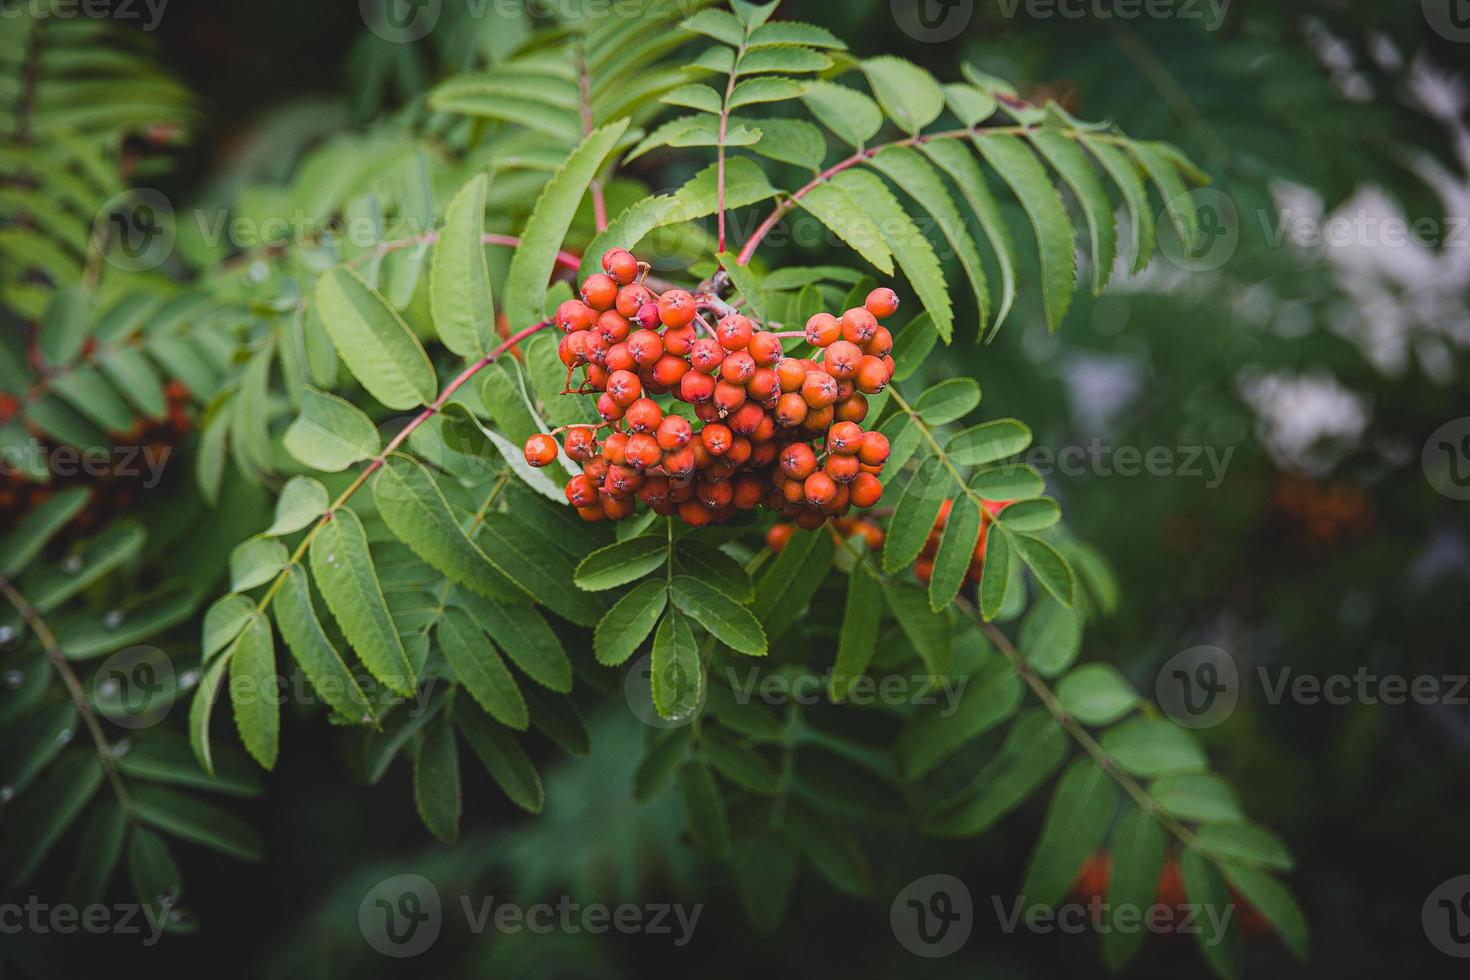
(67, 461)
(861, 690)
(37, 917)
(148, 12)
(1097, 458)
(1209, 922)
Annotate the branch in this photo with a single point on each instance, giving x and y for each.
(720, 145)
(73, 685)
(584, 104)
(376, 463)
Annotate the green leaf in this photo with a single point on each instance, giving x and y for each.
(995, 575)
(731, 623)
(857, 640)
(793, 141)
(1153, 747)
(908, 94)
(1028, 180)
(627, 624)
(622, 562)
(49, 587)
(1068, 160)
(735, 759)
(255, 561)
(436, 780)
(1075, 823)
(38, 527)
(718, 24)
(1138, 855)
(1245, 844)
(1159, 165)
(414, 508)
(1051, 635)
(1206, 890)
(477, 665)
(694, 96)
(1135, 196)
(1033, 749)
(1272, 899)
(782, 59)
(956, 548)
(745, 183)
(676, 674)
(747, 284)
(502, 756)
(98, 853)
(915, 513)
(344, 572)
(195, 821)
(835, 208)
(832, 850)
(1012, 481)
(45, 814)
(85, 389)
(927, 630)
(201, 709)
(1030, 515)
(909, 246)
(714, 567)
(764, 868)
(541, 572)
(969, 180)
(155, 877)
(660, 762)
(302, 501)
(1197, 796)
(534, 260)
(459, 276)
(1047, 564)
(1096, 694)
(851, 115)
(136, 378)
(772, 89)
(163, 757)
(67, 323)
(793, 32)
(988, 698)
(918, 178)
(331, 433)
(314, 652)
(95, 633)
(377, 346)
(970, 105)
(948, 401)
(988, 442)
(34, 743)
(254, 689)
(704, 809)
(525, 637)
(790, 581)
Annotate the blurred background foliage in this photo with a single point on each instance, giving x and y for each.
(1316, 372)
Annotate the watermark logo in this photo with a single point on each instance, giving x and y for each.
(1217, 230)
(1198, 687)
(1450, 19)
(134, 688)
(933, 916)
(1446, 917)
(638, 691)
(400, 21)
(401, 916)
(1446, 459)
(932, 21)
(138, 227)
(146, 13)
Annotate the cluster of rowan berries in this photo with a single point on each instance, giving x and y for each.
(780, 533)
(762, 413)
(924, 566)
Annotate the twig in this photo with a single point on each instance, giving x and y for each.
(584, 103)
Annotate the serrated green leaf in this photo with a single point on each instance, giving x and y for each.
(1068, 160)
(1244, 844)
(627, 624)
(85, 389)
(526, 639)
(908, 94)
(136, 378)
(704, 808)
(1047, 564)
(718, 24)
(988, 442)
(659, 763)
(38, 527)
(1011, 481)
(155, 877)
(792, 60)
(314, 652)
(1178, 203)
(793, 32)
(694, 96)
(201, 709)
(622, 562)
(48, 587)
(851, 115)
(1076, 820)
(989, 697)
(768, 89)
(1135, 196)
(302, 501)
(331, 433)
(436, 790)
(915, 512)
(789, 582)
(540, 571)
(459, 276)
(969, 180)
(995, 575)
(1138, 855)
(1032, 751)
(1096, 694)
(1051, 634)
(377, 346)
(254, 689)
(502, 756)
(676, 675)
(45, 814)
(730, 622)
(101, 848)
(956, 548)
(715, 568)
(195, 821)
(928, 631)
(1037, 514)
(735, 760)
(477, 665)
(835, 208)
(857, 640)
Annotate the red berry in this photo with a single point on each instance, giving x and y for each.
(600, 291)
(706, 355)
(842, 469)
(798, 461)
(669, 369)
(716, 438)
(581, 492)
(645, 346)
(844, 438)
(613, 326)
(874, 449)
(822, 329)
(791, 410)
(791, 373)
(820, 489)
(858, 325)
(696, 388)
(624, 387)
(644, 415)
(872, 375)
(580, 442)
(738, 367)
(674, 432)
(881, 344)
(540, 449)
(575, 315)
(676, 308)
(765, 348)
(729, 397)
(620, 264)
(734, 332)
(642, 451)
(882, 302)
(841, 358)
(819, 389)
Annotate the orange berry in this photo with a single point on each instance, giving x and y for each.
(600, 291)
(676, 308)
(858, 325)
(620, 264)
(540, 449)
(882, 302)
(822, 329)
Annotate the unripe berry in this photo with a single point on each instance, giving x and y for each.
(798, 461)
(874, 449)
(844, 438)
(540, 449)
(645, 346)
(647, 317)
(716, 438)
(600, 291)
(696, 388)
(841, 359)
(676, 308)
(613, 326)
(620, 264)
(631, 298)
(670, 369)
(819, 389)
(765, 348)
(734, 332)
(882, 302)
(678, 340)
(624, 387)
(674, 432)
(644, 415)
(873, 375)
(705, 355)
(791, 410)
(643, 451)
(820, 490)
(858, 325)
(575, 315)
(738, 367)
(581, 491)
(580, 443)
(822, 329)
